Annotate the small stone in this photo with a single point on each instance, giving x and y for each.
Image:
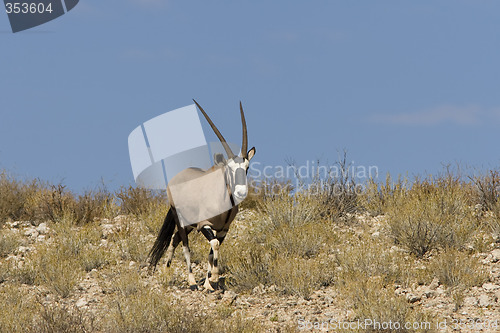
(259, 290)
(328, 299)
(413, 298)
(15, 224)
(272, 288)
(495, 255)
(42, 228)
(470, 301)
(485, 301)
(229, 297)
(107, 229)
(434, 284)
(490, 286)
(81, 303)
(23, 249)
(31, 232)
(376, 234)
(429, 293)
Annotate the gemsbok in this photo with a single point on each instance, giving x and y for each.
(200, 191)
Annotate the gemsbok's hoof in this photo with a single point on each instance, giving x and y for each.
(210, 286)
(193, 287)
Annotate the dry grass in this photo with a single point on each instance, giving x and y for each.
(13, 195)
(9, 242)
(457, 269)
(286, 247)
(372, 258)
(432, 214)
(296, 241)
(372, 300)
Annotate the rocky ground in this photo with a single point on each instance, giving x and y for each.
(264, 304)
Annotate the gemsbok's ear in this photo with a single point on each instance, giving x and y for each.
(251, 153)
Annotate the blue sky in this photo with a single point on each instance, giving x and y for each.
(404, 85)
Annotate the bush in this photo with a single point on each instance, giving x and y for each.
(17, 309)
(9, 242)
(371, 258)
(139, 201)
(286, 246)
(259, 191)
(54, 269)
(136, 308)
(377, 198)
(457, 269)
(63, 319)
(94, 205)
(432, 214)
(488, 199)
(370, 299)
(13, 195)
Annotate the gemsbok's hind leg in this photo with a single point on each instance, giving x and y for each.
(176, 238)
(187, 255)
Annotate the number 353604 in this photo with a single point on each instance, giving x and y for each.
(25, 8)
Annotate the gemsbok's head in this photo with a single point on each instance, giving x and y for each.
(235, 166)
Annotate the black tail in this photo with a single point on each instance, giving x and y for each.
(163, 240)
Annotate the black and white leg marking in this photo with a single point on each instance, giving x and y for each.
(213, 257)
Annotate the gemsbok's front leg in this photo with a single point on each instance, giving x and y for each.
(207, 284)
(212, 279)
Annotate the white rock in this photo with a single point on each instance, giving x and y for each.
(23, 249)
(42, 228)
(81, 302)
(429, 293)
(259, 290)
(31, 232)
(413, 298)
(434, 284)
(471, 301)
(485, 301)
(490, 286)
(107, 229)
(229, 296)
(497, 296)
(495, 255)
